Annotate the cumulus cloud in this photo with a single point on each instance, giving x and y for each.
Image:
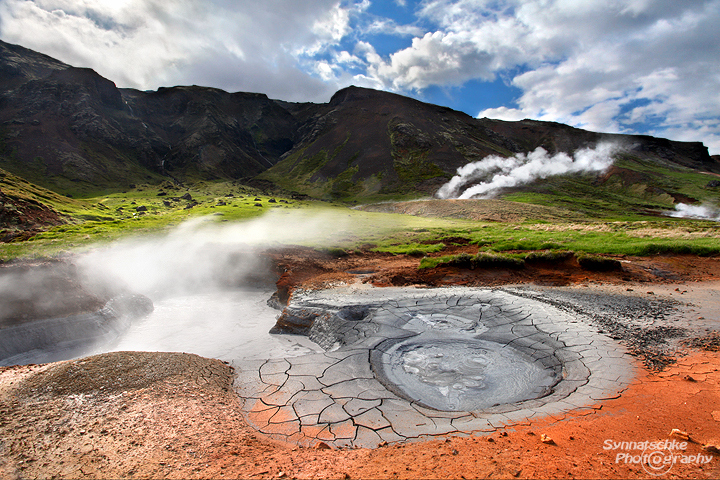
(246, 46)
(503, 113)
(602, 65)
(485, 177)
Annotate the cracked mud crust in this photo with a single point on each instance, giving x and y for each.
(350, 397)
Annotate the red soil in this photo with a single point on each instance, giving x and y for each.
(186, 423)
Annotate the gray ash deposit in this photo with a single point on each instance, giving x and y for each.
(649, 327)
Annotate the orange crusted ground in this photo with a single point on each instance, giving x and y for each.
(157, 415)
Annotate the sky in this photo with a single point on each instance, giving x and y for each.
(633, 66)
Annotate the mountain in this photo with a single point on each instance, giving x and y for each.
(71, 130)
(368, 142)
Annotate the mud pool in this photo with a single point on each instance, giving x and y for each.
(405, 363)
(457, 374)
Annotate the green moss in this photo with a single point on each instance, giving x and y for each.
(412, 248)
(335, 252)
(549, 256)
(414, 167)
(343, 186)
(309, 165)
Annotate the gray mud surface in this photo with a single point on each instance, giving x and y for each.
(405, 363)
(649, 327)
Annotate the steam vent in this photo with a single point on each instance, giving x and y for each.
(402, 364)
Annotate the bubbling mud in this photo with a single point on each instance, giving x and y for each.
(466, 375)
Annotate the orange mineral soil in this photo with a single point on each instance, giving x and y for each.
(174, 415)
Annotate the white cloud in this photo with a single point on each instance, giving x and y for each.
(503, 113)
(390, 27)
(346, 58)
(247, 46)
(597, 64)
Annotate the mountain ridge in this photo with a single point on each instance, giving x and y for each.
(72, 130)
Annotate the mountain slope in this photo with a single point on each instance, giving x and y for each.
(366, 142)
(211, 133)
(73, 131)
(26, 209)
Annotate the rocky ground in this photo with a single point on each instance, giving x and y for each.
(150, 415)
(22, 218)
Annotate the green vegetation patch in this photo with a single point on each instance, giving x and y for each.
(149, 209)
(618, 238)
(414, 167)
(413, 248)
(596, 263)
(549, 256)
(144, 210)
(481, 260)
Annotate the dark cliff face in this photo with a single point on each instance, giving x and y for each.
(69, 128)
(213, 133)
(61, 126)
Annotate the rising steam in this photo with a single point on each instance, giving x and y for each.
(209, 282)
(493, 172)
(704, 212)
(206, 255)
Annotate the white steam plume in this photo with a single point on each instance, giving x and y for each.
(494, 172)
(209, 282)
(203, 255)
(705, 212)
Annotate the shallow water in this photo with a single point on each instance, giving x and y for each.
(231, 326)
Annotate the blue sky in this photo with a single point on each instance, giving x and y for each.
(632, 66)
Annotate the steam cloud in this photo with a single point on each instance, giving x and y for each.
(706, 212)
(204, 255)
(494, 172)
(200, 255)
(209, 281)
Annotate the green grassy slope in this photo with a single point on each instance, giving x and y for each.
(610, 217)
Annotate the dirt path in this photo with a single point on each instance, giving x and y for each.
(162, 415)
